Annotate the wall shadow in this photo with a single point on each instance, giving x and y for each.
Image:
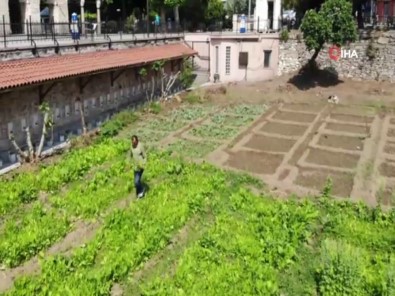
(310, 76)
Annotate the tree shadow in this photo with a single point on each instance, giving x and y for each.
(311, 76)
(146, 188)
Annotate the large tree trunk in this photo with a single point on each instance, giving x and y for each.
(29, 143)
(43, 134)
(83, 124)
(163, 20)
(176, 18)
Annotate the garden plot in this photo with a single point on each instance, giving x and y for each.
(224, 119)
(192, 149)
(164, 124)
(214, 132)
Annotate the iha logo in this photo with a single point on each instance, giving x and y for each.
(335, 53)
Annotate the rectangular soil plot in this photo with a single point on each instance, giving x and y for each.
(348, 128)
(342, 142)
(303, 107)
(296, 117)
(269, 144)
(255, 162)
(333, 159)
(284, 129)
(387, 169)
(389, 149)
(316, 179)
(351, 118)
(386, 196)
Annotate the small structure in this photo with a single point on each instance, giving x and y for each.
(231, 57)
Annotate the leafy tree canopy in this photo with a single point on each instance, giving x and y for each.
(333, 23)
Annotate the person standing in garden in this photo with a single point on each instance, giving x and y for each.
(139, 160)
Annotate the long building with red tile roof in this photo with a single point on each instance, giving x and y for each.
(39, 70)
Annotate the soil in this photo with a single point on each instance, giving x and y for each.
(343, 142)
(284, 129)
(387, 196)
(295, 117)
(255, 162)
(391, 132)
(387, 169)
(338, 159)
(348, 128)
(392, 121)
(304, 107)
(316, 179)
(352, 118)
(390, 149)
(269, 144)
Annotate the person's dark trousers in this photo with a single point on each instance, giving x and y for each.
(137, 181)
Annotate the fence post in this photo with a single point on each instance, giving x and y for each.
(4, 32)
(27, 29)
(31, 31)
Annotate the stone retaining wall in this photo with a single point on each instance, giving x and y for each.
(293, 55)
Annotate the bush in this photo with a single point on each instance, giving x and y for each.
(284, 35)
(340, 271)
(187, 76)
(112, 127)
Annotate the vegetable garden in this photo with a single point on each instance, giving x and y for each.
(200, 230)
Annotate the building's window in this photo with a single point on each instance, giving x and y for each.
(216, 59)
(266, 61)
(3, 132)
(227, 61)
(243, 59)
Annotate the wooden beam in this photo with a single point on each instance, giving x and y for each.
(83, 83)
(42, 93)
(115, 77)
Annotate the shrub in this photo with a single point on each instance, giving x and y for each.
(284, 35)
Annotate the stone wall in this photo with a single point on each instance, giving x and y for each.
(20, 107)
(293, 55)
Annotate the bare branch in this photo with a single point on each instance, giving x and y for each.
(18, 149)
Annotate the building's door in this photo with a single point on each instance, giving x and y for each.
(15, 17)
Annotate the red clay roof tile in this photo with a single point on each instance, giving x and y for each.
(37, 70)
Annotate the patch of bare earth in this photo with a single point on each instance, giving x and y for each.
(316, 179)
(255, 162)
(349, 128)
(343, 142)
(295, 117)
(284, 129)
(333, 159)
(352, 118)
(269, 144)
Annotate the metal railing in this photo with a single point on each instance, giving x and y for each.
(29, 32)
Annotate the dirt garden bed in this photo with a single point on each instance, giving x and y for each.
(352, 118)
(333, 159)
(348, 128)
(316, 179)
(284, 129)
(269, 144)
(303, 107)
(343, 142)
(296, 117)
(255, 162)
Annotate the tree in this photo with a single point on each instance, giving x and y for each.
(215, 10)
(334, 23)
(32, 154)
